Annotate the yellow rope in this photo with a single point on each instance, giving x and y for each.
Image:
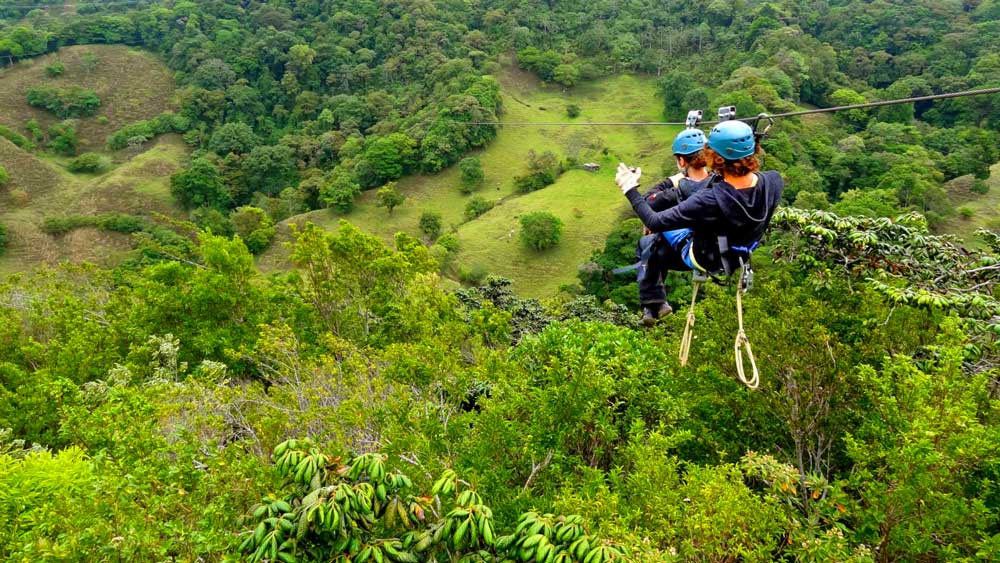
(689, 327)
(744, 342)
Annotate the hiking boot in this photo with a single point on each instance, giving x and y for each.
(648, 316)
(665, 310)
(652, 312)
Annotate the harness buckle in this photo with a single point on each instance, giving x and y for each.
(746, 280)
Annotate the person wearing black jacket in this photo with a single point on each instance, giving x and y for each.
(738, 204)
(687, 149)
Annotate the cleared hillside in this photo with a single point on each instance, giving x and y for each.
(588, 203)
(132, 85)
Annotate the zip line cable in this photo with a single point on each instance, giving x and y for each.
(910, 100)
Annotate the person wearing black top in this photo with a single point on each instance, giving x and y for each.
(738, 204)
(687, 149)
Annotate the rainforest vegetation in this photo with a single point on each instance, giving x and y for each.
(355, 405)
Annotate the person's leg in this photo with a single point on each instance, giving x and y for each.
(650, 275)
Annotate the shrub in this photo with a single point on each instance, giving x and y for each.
(532, 182)
(540, 230)
(63, 138)
(254, 226)
(55, 69)
(966, 212)
(4, 176)
(4, 239)
(450, 242)
(430, 224)
(573, 111)
(18, 139)
(476, 207)
(35, 129)
(211, 219)
(61, 225)
(472, 174)
(122, 223)
(166, 122)
(980, 187)
(473, 275)
(65, 102)
(89, 163)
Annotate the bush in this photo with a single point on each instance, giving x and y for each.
(573, 111)
(89, 163)
(65, 102)
(472, 174)
(476, 207)
(4, 239)
(18, 139)
(254, 226)
(63, 138)
(980, 187)
(4, 176)
(166, 122)
(57, 226)
(540, 230)
(211, 219)
(473, 275)
(966, 212)
(532, 182)
(450, 242)
(55, 69)
(122, 223)
(430, 224)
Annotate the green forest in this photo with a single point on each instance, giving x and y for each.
(278, 285)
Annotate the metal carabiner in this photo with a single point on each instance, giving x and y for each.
(757, 132)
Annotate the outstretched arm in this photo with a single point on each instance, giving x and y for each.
(696, 210)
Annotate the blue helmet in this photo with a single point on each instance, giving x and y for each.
(689, 141)
(732, 139)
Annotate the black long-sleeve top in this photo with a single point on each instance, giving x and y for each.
(741, 215)
(673, 190)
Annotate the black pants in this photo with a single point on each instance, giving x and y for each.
(660, 258)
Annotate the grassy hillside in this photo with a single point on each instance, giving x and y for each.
(132, 85)
(588, 203)
(985, 210)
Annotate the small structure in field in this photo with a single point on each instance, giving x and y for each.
(591, 167)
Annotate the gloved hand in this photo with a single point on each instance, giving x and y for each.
(627, 178)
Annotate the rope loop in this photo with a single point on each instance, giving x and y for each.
(689, 328)
(743, 343)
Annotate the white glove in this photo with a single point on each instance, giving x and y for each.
(627, 178)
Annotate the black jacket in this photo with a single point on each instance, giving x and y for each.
(665, 194)
(741, 215)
